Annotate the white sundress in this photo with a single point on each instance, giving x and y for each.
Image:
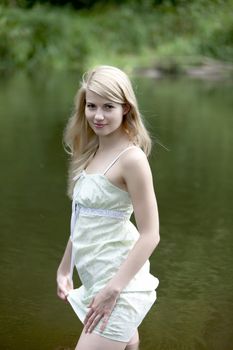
(102, 236)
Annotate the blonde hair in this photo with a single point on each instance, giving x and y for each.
(80, 140)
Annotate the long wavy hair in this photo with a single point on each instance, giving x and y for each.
(79, 139)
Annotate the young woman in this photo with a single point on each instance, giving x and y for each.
(109, 178)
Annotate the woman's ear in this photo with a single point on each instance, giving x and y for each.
(126, 108)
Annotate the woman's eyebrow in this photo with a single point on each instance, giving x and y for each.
(104, 103)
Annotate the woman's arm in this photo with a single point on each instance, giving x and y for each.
(64, 266)
(64, 281)
(139, 182)
(138, 178)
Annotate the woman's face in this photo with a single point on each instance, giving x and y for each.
(104, 116)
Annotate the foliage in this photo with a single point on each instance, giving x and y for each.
(41, 37)
(136, 35)
(81, 4)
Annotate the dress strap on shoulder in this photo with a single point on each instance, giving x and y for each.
(117, 157)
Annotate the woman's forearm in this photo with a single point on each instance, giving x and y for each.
(137, 257)
(64, 266)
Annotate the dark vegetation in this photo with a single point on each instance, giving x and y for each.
(61, 34)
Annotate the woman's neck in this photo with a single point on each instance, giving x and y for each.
(114, 141)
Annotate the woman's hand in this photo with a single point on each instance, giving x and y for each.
(101, 308)
(64, 285)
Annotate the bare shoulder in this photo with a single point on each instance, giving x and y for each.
(135, 163)
(134, 153)
(138, 179)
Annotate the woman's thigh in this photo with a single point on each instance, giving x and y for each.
(134, 340)
(92, 341)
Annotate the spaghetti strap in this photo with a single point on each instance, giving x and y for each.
(117, 157)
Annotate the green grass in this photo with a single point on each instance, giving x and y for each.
(127, 36)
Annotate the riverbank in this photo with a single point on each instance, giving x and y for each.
(157, 39)
(208, 69)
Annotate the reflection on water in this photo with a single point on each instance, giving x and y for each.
(193, 177)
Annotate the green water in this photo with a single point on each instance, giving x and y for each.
(193, 174)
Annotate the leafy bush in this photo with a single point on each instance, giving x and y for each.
(62, 38)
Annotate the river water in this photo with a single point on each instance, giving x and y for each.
(192, 124)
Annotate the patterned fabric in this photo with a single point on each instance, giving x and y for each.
(78, 210)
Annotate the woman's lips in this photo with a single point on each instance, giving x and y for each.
(99, 125)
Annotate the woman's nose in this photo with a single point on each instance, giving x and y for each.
(99, 114)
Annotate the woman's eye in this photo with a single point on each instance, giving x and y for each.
(108, 107)
(90, 105)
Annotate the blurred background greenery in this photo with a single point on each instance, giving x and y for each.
(44, 48)
(69, 34)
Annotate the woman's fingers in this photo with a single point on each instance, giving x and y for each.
(92, 322)
(64, 285)
(104, 322)
(101, 306)
(62, 289)
(61, 294)
(90, 312)
(93, 318)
